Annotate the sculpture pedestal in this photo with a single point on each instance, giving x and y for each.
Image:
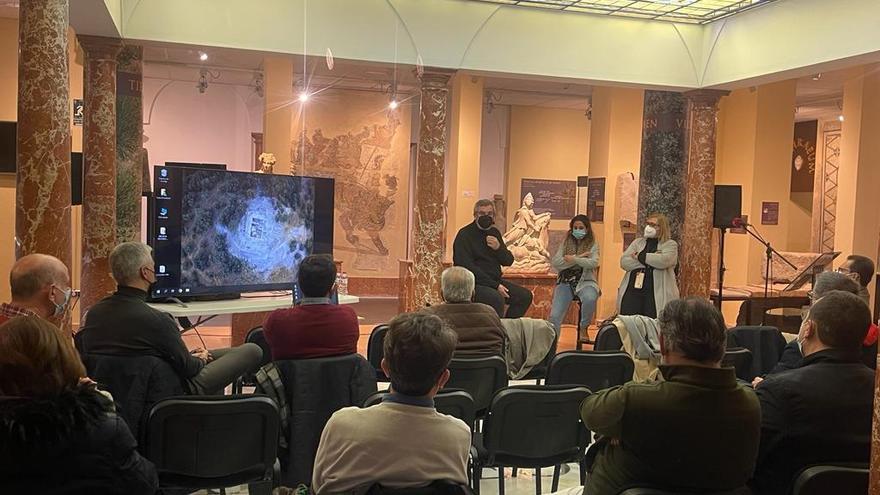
(541, 286)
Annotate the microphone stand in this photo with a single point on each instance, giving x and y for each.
(721, 269)
(770, 251)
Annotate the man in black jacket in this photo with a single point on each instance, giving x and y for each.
(479, 248)
(821, 411)
(123, 324)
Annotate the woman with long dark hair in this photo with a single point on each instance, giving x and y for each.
(576, 261)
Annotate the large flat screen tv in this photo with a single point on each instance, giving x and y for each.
(220, 233)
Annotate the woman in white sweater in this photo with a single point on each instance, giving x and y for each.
(649, 283)
(576, 261)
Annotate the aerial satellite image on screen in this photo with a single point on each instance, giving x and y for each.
(244, 229)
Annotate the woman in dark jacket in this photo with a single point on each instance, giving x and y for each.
(58, 434)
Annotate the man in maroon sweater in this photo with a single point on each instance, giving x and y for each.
(314, 327)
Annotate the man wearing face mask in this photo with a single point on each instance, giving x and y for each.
(40, 286)
(123, 324)
(820, 412)
(479, 247)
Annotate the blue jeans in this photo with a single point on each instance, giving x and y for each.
(563, 295)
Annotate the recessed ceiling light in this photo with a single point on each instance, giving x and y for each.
(393, 104)
(840, 118)
(303, 97)
(203, 56)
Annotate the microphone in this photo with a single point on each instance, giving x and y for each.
(739, 222)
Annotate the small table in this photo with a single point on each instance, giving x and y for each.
(247, 312)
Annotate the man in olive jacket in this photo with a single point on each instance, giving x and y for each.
(698, 430)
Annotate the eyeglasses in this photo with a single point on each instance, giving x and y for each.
(845, 271)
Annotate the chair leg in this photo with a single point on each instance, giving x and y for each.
(500, 480)
(579, 344)
(477, 476)
(583, 470)
(537, 481)
(554, 486)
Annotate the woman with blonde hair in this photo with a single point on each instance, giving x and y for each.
(58, 434)
(649, 283)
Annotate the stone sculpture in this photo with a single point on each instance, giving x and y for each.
(528, 238)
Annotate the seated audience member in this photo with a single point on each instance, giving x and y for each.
(861, 269)
(58, 434)
(314, 327)
(402, 442)
(826, 282)
(123, 324)
(40, 286)
(657, 434)
(821, 411)
(479, 329)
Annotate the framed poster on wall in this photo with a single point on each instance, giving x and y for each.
(770, 213)
(554, 196)
(596, 199)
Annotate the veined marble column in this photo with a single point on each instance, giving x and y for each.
(129, 143)
(99, 166)
(664, 159)
(428, 221)
(695, 256)
(42, 205)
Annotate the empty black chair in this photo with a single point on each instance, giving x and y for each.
(765, 343)
(596, 370)
(254, 336)
(608, 338)
(539, 372)
(456, 403)
(376, 351)
(440, 487)
(822, 480)
(656, 491)
(135, 382)
(741, 359)
(532, 427)
(213, 441)
(479, 377)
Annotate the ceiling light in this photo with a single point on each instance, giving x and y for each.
(203, 56)
(393, 104)
(817, 76)
(840, 118)
(303, 97)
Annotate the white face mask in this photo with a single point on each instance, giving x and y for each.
(60, 308)
(650, 232)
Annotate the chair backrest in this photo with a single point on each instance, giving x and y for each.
(816, 480)
(539, 426)
(440, 487)
(135, 382)
(376, 350)
(608, 339)
(656, 491)
(480, 377)
(741, 359)
(765, 343)
(596, 370)
(211, 441)
(454, 402)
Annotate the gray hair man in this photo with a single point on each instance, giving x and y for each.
(695, 388)
(40, 286)
(123, 324)
(480, 332)
(480, 248)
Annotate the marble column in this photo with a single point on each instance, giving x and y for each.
(99, 166)
(695, 255)
(428, 222)
(664, 159)
(42, 205)
(129, 142)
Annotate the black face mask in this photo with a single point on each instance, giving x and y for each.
(484, 222)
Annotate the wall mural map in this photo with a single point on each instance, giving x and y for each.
(363, 153)
(257, 232)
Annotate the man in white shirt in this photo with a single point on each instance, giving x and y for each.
(402, 442)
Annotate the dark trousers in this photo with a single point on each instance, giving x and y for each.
(518, 303)
(228, 364)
